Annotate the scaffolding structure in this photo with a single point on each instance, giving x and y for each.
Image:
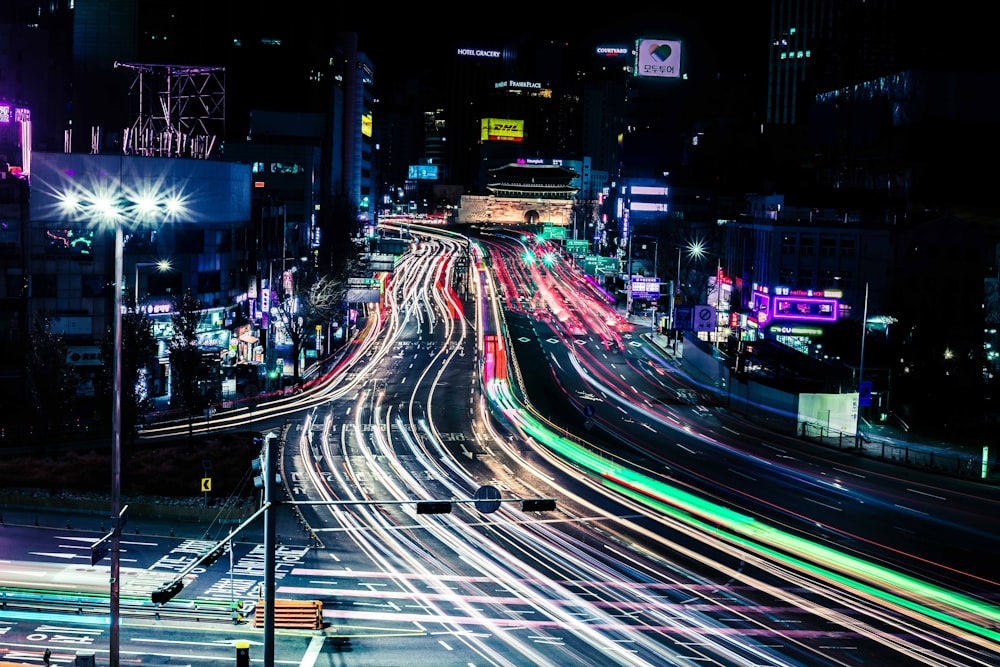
(181, 110)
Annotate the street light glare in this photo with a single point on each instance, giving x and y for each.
(146, 207)
(105, 203)
(175, 206)
(106, 208)
(697, 248)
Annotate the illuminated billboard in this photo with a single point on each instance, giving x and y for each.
(658, 58)
(792, 305)
(612, 51)
(501, 129)
(812, 309)
(366, 124)
(645, 287)
(479, 53)
(423, 172)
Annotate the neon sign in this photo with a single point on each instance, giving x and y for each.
(769, 307)
(811, 309)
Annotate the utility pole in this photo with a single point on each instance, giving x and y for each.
(628, 278)
(270, 519)
(861, 369)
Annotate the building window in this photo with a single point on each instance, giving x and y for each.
(15, 286)
(286, 168)
(807, 246)
(44, 286)
(848, 248)
(806, 280)
(828, 247)
(788, 246)
(829, 279)
(209, 281)
(94, 287)
(192, 240)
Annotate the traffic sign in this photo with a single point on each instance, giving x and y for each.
(487, 499)
(206, 484)
(100, 549)
(704, 318)
(865, 393)
(122, 519)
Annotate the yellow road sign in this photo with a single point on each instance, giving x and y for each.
(206, 484)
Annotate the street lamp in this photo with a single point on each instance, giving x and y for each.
(673, 297)
(656, 252)
(161, 265)
(116, 452)
(110, 203)
(696, 250)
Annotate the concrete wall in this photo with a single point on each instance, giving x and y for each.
(477, 209)
(759, 402)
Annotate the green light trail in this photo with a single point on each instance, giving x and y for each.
(753, 535)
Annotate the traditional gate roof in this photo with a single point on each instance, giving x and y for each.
(532, 180)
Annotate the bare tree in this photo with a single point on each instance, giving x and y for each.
(138, 353)
(584, 213)
(313, 301)
(188, 366)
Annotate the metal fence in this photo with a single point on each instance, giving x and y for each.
(909, 454)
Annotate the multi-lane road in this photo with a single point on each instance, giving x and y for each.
(682, 534)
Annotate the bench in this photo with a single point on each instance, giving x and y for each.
(301, 614)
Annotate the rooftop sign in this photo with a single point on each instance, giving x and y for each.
(479, 53)
(658, 58)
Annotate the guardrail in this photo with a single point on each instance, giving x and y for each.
(95, 606)
(913, 455)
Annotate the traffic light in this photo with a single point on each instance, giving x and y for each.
(212, 556)
(433, 507)
(165, 593)
(257, 467)
(538, 505)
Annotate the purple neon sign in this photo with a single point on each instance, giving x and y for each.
(799, 308)
(804, 308)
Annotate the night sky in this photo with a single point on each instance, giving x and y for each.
(715, 38)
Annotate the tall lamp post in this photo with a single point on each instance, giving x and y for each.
(656, 252)
(861, 369)
(108, 203)
(116, 452)
(697, 250)
(161, 265)
(673, 295)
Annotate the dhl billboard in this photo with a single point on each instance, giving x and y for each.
(501, 129)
